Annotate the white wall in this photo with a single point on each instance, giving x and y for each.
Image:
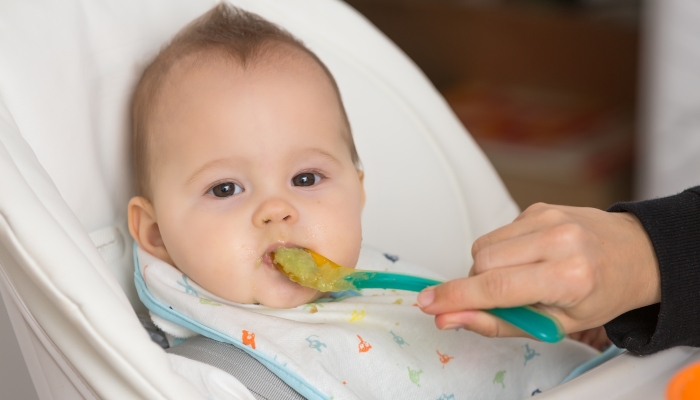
(669, 152)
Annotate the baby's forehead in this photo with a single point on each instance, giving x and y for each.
(199, 77)
(280, 59)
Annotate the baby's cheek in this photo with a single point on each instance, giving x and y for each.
(348, 239)
(343, 245)
(228, 283)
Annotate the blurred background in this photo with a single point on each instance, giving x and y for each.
(579, 102)
(569, 99)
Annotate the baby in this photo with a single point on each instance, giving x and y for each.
(241, 145)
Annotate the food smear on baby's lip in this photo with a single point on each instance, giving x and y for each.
(315, 272)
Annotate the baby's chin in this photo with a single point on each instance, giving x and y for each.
(287, 299)
(278, 291)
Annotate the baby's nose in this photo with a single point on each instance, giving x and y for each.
(274, 211)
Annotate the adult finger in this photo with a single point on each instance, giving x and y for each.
(502, 287)
(518, 250)
(533, 219)
(594, 337)
(506, 232)
(479, 322)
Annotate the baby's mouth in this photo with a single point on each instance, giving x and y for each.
(266, 259)
(267, 256)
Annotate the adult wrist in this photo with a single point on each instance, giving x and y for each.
(645, 284)
(673, 227)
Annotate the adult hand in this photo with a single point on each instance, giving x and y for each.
(583, 265)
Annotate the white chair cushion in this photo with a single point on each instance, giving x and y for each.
(67, 69)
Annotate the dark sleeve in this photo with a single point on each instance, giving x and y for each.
(673, 225)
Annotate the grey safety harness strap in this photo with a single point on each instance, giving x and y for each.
(262, 383)
(250, 372)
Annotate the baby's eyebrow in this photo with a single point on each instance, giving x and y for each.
(209, 165)
(224, 161)
(322, 153)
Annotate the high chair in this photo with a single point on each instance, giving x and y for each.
(67, 70)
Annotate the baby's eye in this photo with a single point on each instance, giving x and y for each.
(306, 179)
(225, 189)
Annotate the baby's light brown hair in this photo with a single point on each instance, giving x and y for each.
(224, 32)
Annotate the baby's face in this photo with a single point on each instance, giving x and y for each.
(247, 160)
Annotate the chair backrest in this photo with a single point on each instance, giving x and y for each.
(67, 69)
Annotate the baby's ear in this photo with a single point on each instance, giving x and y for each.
(361, 175)
(143, 227)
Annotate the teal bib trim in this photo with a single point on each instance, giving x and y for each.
(155, 306)
(611, 352)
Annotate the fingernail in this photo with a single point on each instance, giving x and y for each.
(452, 326)
(426, 298)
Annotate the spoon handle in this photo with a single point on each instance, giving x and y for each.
(539, 324)
(389, 280)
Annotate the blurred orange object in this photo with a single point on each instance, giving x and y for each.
(685, 385)
(525, 115)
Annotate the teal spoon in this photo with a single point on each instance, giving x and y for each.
(323, 274)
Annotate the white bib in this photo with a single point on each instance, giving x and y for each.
(373, 345)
